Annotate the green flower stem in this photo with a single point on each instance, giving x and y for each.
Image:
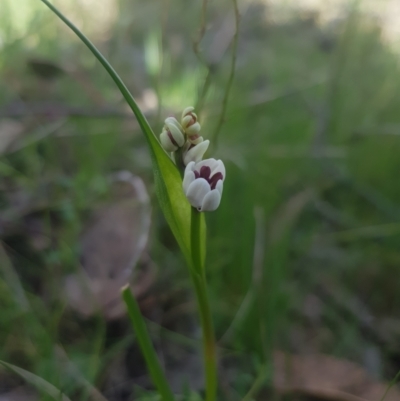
(195, 241)
(179, 161)
(200, 286)
(149, 353)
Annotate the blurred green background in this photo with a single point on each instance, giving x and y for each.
(303, 253)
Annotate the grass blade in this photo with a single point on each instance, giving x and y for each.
(150, 355)
(37, 381)
(391, 384)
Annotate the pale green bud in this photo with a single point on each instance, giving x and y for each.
(172, 136)
(189, 123)
(187, 111)
(195, 139)
(193, 129)
(166, 142)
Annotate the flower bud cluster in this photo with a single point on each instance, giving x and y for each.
(203, 179)
(185, 135)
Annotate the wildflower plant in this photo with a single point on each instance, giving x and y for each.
(203, 179)
(186, 186)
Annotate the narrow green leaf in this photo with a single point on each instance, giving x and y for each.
(168, 181)
(391, 384)
(150, 355)
(37, 381)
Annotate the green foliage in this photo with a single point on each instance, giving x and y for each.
(36, 381)
(312, 107)
(168, 182)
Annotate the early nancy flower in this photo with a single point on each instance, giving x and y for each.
(194, 153)
(190, 124)
(172, 136)
(203, 184)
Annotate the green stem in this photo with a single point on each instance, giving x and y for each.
(195, 241)
(200, 286)
(231, 76)
(179, 161)
(391, 384)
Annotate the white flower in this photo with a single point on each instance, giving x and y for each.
(194, 153)
(190, 124)
(203, 184)
(172, 136)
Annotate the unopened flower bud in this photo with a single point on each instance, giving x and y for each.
(193, 130)
(194, 153)
(172, 136)
(195, 139)
(190, 124)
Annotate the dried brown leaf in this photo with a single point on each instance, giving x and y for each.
(10, 131)
(112, 244)
(327, 378)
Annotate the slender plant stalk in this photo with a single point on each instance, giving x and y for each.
(195, 242)
(180, 165)
(200, 286)
(150, 355)
(257, 384)
(231, 76)
(202, 59)
(202, 31)
(391, 384)
(204, 90)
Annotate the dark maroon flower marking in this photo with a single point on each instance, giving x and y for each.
(205, 173)
(192, 121)
(172, 138)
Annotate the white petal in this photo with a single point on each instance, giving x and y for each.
(193, 129)
(197, 190)
(195, 139)
(196, 153)
(211, 201)
(187, 110)
(172, 121)
(220, 186)
(219, 167)
(190, 167)
(176, 133)
(166, 142)
(187, 180)
(185, 121)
